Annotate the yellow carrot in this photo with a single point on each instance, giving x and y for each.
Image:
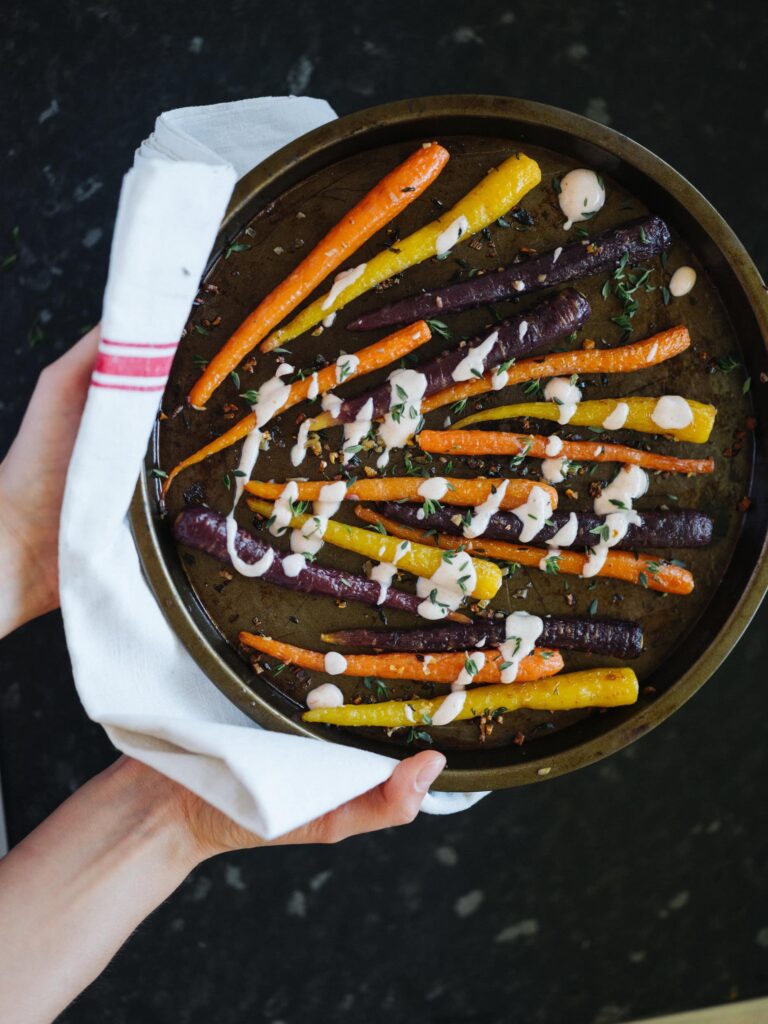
(420, 559)
(597, 687)
(593, 413)
(500, 190)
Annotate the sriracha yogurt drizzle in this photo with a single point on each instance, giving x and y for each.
(564, 393)
(328, 695)
(521, 631)
(582, 194)
(446, 240)
(446, 588)
(534, 513)
(341, 282)
(403, 417)
(672, 412)
(481, 514)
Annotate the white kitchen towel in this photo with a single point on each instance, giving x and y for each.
(132, 673)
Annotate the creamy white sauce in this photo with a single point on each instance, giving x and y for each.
(434, 488)
(672, 413)
(581, 195)
(346, 367)
(341, 282)
(521, 631)
(254, 569)
(565, 395)
(481, 514)
(384, 572)
(407, 389)
(453, 704)
(554, 446)
(617, 417)
(556, 255)
(553, 553)
(334, 663)
(355, 431)
(681, 282)
(248, 457)
(630, 482)
(331, 403)
(273, 395)
(446, 240)
(473, 362)
(566, 535)
(328, 695)
(299, 450)
(444, 584)
(615, 503)
(314, 387)
(451, 707)
(294, 564)
(499, 380)
(652, 352)
(534, 513)
(328, 320)
(282, 513)
(595, 561)
(553, 470)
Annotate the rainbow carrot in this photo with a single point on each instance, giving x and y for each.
(371, 358)
(390, 196)
(494, 442)
(440, 667)
(500, 190)
(653, 573)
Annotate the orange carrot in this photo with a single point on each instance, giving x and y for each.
(495, 442)
(389, 197)
(655, 574)
(441, 667)
(397, 488)
(371, 358)
(638, 356)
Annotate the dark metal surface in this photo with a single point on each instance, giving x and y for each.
(320, 176)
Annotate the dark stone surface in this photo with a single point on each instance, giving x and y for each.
(631, 888)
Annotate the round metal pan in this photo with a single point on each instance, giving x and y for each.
(283, 207)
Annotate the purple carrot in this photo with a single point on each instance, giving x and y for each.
(539, 327)
(639, 240)
(618, 638)
(205, 530)
(683, 528)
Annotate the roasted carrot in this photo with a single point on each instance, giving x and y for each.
(370, 358)
(592, 414)
(392, 194)
(494, 442)
(596, 687)
(639, 355)
(420, 559)
(395, 488)
(653, 573)
(500, 190)
(440, 667)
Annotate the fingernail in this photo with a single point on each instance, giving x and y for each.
(430, 769)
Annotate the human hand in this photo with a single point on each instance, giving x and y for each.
(394, 802)
(32, 477)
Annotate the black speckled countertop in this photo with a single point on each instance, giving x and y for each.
(634, 887)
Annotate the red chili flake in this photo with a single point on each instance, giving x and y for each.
(519, 739)
(744, 504)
